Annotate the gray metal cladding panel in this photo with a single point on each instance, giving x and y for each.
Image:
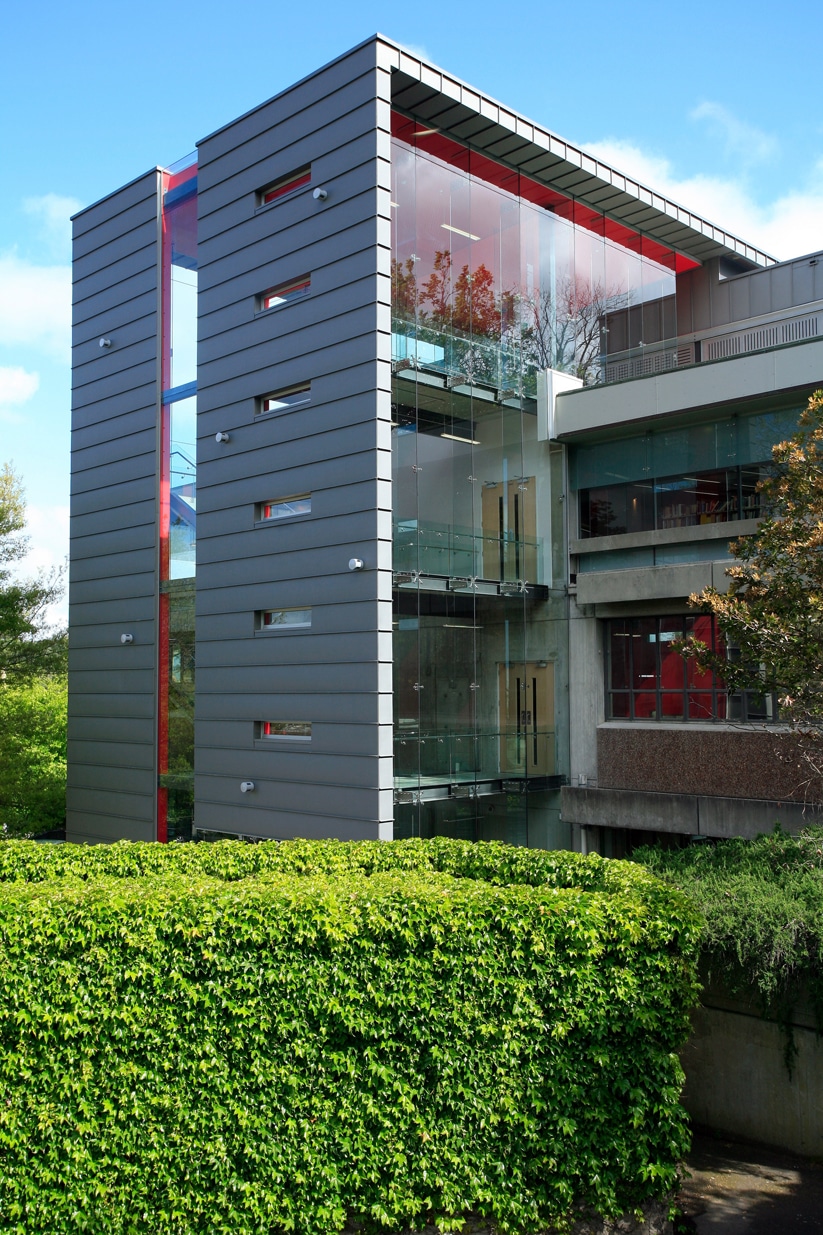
(112, 655)
(339, 163)
(112, 778)
(353, 354)
(129, 227)
(263, 541)
(123, 449)
(237, 463)
(315, 240)
(115, 315)
(137, 806)
(129, 349)
(326, 618)
(359, 707)
(315, 419)
(330, 739)
(114, 587)
(141, 374)
(106, 567)
(346, 321)
(279, 824)
(128, 277)
(216, 594)
(105, 541)
(133, 682)
(91, 313)
(123, 732)
(140, 190)
(93, 523)
(117, 754)
(270, 669)
(350, 802)
(310, 105)
(84, 827)
(327, 388)
(106, 414)
(96, 614)
(113, 497)
(294, 765)
(136, 244)
(137, 706)
(114, 429)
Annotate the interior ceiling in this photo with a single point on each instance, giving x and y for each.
(577, 174)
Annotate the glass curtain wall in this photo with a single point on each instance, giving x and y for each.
(494, 277)
(178, 506)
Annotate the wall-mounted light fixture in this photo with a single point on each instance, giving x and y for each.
(104, 342)
(320, 195)
(356, 563)
(221, 437)
(247, 786)
(127, 638)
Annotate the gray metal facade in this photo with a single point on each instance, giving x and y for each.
(112, 786)
(337, 675)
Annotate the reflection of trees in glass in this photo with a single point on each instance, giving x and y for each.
(565, 331)
(561, 331)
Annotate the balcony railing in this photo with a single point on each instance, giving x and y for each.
(443, 549)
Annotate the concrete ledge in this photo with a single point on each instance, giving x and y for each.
(690, 814)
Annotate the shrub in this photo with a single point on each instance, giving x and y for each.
(762, 900)
(235, 1038)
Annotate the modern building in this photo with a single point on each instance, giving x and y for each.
(413, 426)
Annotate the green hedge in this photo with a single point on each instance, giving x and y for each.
(762, 900)
(244, 1039)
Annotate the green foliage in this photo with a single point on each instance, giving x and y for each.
(762, 900)
(772, 614)
(33, 756)
(27, 646)
(251, 1038)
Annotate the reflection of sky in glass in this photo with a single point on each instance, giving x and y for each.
(183, 488)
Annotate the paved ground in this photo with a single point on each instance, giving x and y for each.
(738, 1189)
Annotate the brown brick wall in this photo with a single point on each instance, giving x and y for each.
(715, 762)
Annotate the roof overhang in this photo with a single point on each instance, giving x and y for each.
(449, 105)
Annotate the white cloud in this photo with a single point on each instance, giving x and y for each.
(16, 385)
(749, 144)
(35, 306)
(789, 226)
(53, 213)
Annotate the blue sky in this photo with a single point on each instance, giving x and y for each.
(716, 104)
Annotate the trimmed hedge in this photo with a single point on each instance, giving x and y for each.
(255, 1038)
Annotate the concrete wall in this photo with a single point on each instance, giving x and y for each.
(687, 813)
(337, 675)
(795, 366)
(112, 688)
(737, 1082)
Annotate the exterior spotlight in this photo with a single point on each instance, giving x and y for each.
(320, 195)
(356, 563)
(221, 437)
(127, 638)
(247, 786)
(104, 343)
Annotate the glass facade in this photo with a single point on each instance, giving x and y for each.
(178, 507)
(683, 477)
(494, 277)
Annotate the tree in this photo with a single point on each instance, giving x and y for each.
(33, 686)
(28, 646)
(33, 756)
(773, 610)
